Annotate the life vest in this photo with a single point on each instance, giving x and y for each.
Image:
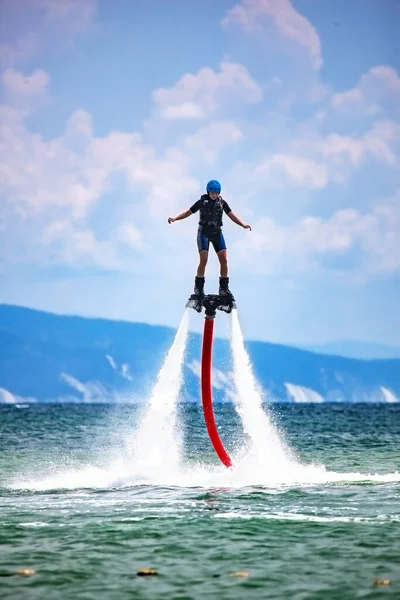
(211, 212)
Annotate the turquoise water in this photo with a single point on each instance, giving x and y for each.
(76, 508)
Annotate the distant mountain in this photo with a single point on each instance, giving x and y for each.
(354, 349)
(46, 358)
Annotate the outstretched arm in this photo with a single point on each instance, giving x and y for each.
(238, 221)
(183, 215)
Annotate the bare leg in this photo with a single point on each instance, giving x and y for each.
(201, 269)
(223, 262)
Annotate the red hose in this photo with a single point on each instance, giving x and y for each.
(206, 393)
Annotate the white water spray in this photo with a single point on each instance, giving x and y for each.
(156, 443)
(156, 448)
(266, 447)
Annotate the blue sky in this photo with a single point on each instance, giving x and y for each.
(115, 115)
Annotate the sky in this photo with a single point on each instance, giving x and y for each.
(114, 115)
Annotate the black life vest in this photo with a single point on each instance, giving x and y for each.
(211, 212)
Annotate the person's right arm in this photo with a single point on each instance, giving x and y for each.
(185, 214)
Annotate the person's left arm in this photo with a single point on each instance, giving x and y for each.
(234, 217)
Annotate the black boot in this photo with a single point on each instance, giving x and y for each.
(199, 286)
(224, 287)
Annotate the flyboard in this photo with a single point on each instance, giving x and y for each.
(211, 303)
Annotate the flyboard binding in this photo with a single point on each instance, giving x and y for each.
(211, 303)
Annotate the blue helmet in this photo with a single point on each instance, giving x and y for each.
(214, 186)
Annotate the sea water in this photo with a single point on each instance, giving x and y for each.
(90, 494)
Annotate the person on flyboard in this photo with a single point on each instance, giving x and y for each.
(211, 207)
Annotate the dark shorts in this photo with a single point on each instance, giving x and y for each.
(216, 239)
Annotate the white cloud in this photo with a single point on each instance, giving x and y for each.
(253, 16)
(379, 141)
(80, 123)
(185, 110)
(25, 84)
(130, 235)
(79, 14)
(123, 370)
(208, 142)
(220, 381)
(90, 391)
(6, 397)
(388, 395)
(62, 172)
(315, 161)
(297, 170)
(203, 94)
(54, 186)
(26, 93)
(112, 362)
(74, 245)
(299, 393)
(368, 240)
(378, 89)
(32, 26)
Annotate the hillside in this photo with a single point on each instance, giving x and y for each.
(47, 358)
